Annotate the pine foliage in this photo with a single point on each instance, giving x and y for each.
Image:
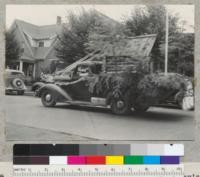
(13, 49)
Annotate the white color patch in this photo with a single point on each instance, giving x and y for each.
(58, 160)
(174, 150)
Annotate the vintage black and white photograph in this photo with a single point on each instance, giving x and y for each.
(99, 72)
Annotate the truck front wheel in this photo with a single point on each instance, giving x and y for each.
(48, 98)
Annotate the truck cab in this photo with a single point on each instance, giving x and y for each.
(87, 68)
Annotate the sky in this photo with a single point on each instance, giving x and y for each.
(47, 14)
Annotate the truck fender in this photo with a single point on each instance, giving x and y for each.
(55, 89)
(37, 85)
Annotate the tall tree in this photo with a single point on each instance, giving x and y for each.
(149, 20)
(13, 49)
(107, 39)
(186, 55)
(71, 45)
(181, 54)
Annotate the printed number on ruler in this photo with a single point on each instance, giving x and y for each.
(98, 170)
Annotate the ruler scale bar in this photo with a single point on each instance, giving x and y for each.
(99, 170)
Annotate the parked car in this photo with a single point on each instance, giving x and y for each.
(79, 87)
(14, 82)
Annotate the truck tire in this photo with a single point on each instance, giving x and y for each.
(121, 106)
(48, 98)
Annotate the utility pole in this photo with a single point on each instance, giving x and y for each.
(166, 41)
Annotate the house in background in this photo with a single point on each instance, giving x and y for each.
(37, 46)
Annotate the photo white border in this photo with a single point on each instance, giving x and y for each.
(191, 147)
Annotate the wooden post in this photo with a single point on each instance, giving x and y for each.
(21, 65)
(34, 70)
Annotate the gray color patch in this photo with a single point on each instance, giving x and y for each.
(139, 149)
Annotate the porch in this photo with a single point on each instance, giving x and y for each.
(29, 69)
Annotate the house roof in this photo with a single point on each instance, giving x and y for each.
(27, 58)
(39, 32)
(36, 32)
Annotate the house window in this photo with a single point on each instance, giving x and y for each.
(41, 44)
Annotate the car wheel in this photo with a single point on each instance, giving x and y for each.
(120, 106)
(20, 92)
(140, 108)
(48, 98)
(18, 83)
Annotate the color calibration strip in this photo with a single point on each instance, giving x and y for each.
(97, 160)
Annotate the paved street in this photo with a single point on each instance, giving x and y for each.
(25, 133)
(27, 114)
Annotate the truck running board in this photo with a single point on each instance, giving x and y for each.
(101, 102)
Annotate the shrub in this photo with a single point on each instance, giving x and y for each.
(148, 88)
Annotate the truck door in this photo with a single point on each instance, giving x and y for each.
(78, 88)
